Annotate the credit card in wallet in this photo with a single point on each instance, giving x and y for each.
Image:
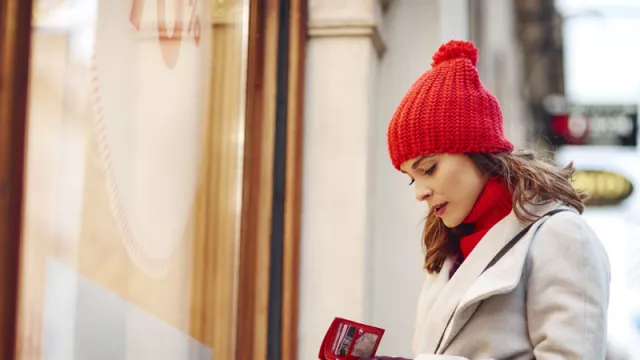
(349, 340)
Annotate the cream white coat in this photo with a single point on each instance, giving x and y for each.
(545, 299)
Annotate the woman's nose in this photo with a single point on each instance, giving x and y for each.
(423, 192)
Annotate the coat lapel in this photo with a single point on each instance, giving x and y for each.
(444, 306)
(433, 286)
(458, 299)
(501, 278)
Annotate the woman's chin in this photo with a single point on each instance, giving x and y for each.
(450, 223)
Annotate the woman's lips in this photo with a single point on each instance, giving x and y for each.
(440, 209)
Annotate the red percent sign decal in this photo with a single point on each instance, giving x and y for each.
(169, 44)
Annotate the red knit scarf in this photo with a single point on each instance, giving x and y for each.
(493, 204)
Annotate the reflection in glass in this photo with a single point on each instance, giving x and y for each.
(133, 163)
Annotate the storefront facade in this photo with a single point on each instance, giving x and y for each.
(150, 178)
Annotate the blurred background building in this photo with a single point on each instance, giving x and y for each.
(606, 101)
(210, 179)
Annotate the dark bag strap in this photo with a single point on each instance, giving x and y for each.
(519, 236)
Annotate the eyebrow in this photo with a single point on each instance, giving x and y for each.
(419, 161)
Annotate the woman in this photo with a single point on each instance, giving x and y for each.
(514, 272)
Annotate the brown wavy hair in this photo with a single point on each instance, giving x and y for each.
(532, 180)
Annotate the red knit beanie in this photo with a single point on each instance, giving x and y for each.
(447, 110)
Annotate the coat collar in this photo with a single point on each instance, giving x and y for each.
(457, 299)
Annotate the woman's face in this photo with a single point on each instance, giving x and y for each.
(449, 183)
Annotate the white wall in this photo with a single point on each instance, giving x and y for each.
(340, 79)
(334, 204)
(500, 67)
(454, 19)
(413, 30)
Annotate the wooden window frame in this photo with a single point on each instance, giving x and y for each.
(293, 195)
(261, 312)
(15, 46)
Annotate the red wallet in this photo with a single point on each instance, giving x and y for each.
(349, 340)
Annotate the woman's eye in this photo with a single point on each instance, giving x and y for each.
(412, 181)
(430, 170)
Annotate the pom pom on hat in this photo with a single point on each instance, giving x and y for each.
(456, 49)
